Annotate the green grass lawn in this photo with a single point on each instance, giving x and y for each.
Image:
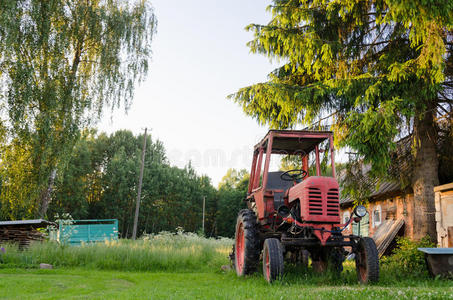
(91, 284)
(186, 266)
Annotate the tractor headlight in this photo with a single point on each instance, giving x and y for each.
(360, 211)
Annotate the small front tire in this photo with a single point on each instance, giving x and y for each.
(367, 261)
(272, 260)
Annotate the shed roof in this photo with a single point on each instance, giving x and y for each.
(26, 222)
(401, 166)
(385, 187)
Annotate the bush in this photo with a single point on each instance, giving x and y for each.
(406, 259)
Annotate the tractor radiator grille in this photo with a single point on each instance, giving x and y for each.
(333, 205)
(315, 202)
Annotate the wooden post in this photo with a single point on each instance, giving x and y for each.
(204, 203)
(137, 207)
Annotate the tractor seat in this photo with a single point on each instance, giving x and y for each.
(274, 182)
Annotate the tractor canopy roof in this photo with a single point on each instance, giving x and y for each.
(293, 141)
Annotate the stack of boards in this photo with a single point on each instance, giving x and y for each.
(22, 232)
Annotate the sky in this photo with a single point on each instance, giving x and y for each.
(199, 57)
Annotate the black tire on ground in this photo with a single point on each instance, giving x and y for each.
(272, 260)
(246, 249)
(367, 261)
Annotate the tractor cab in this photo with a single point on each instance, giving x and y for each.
(270, 192)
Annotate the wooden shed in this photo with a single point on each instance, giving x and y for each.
(391, 214)
(22, 231)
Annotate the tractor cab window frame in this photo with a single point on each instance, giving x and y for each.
(260, 167)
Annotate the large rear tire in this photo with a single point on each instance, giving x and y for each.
(246, 247)
(367, 261)
(272, 260)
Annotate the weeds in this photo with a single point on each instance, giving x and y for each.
(161, 252)
(406, 260)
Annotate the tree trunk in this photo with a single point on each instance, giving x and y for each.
(46, 195)
(425, 176)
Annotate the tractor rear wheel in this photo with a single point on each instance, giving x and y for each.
(272, 260)
(246, 247)
(367, 261)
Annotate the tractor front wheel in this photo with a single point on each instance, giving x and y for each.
(246, 246)
(367, 261)
(272, 260)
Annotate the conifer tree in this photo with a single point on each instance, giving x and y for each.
(377, 69)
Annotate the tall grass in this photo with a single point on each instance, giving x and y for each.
(161, 252)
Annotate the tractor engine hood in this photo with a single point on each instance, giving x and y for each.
(318, 198)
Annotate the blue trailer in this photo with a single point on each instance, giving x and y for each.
(88, 231)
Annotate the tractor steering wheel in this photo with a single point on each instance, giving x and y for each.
(294, 175)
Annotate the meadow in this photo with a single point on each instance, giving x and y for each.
(186, 266)
(168, 252)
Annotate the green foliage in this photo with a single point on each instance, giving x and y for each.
(100, 182)
(406, 259)
(294, 162)
(291, 162)
(235, 179)
(17, 200)
(373, 69)
(61, 63)
(231, 195)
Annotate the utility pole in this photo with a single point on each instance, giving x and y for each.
(137, 207)
(204, 201)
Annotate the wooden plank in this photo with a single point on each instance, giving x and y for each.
(385, 234)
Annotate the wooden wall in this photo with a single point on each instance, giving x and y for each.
(393, 207)
(444, 214)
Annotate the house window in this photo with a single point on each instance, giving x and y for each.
(377, 216)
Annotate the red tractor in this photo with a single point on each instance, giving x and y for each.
(292, 215)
